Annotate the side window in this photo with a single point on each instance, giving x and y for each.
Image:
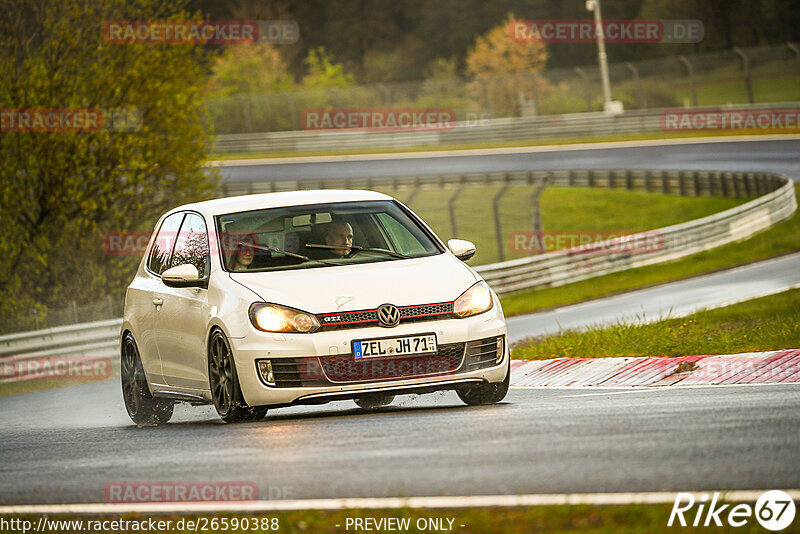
(162, 247)
(192, 245)
(402, 237)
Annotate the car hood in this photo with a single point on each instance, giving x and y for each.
(432, 279)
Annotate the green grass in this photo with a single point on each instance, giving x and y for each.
(506, 144)
(545, 519)
(780, 239)
(775, 88)
(769, 323)
(575, 211)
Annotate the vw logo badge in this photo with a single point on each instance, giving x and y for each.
(388, 315)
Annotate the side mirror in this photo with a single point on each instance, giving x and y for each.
(185, 275)
(463, 250)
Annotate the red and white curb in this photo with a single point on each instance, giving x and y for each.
(746, 368)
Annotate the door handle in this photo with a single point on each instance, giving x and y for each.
(158, 302)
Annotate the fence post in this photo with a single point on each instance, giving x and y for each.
(794, 48)
(497, 227)
(386, 93)
(293, 111)
(690, 70)
(484, 93)
(535, 91)
(536, 213)
(451, 204)
(587, 94)
(248, 117)
(746, 67)
(413, 194)
(74, 307)
(639, 98)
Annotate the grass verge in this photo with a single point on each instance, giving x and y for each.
(769, 323)
(571, 212)
(559, 519)
(780, 239)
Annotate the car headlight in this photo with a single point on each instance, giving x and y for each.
(474, 300)
(276, 318)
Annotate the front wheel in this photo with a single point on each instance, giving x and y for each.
(224, 383)
(482, 394)
(142, 407)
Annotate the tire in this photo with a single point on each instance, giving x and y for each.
(373, 401)
(488, 393)
(142, 407)
(224, 384)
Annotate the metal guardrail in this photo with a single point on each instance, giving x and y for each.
(28, 353)
(776, 202)
(486, 131)
(552, 269)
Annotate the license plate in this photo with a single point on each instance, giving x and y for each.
(395, 346)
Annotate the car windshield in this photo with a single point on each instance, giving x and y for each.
(321, 235)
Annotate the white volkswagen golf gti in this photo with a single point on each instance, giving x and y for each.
(305, 297)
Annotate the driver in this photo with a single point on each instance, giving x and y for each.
(339, 233)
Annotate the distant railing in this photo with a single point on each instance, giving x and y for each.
(576, 125)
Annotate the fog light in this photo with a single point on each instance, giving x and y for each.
(265, 368)
(500, 352)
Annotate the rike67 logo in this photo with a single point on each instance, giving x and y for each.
(774, 510)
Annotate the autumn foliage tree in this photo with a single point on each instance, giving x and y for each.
(63, 192)
(504, 69)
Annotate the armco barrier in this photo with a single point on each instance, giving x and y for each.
(86, 341)
(486, 131)
(775, 202)
(561, 267)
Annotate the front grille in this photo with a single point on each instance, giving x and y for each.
(328, 370)
(364, 318)
(480, 354)
(345, 369)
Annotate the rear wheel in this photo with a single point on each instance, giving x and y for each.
(224, 383)
(374, 400)
(488, 393)
(142, 407)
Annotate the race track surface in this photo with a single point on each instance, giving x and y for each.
(60, 447)
(780, 156)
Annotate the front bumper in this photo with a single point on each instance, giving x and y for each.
(315, 385)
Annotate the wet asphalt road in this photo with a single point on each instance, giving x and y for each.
(781, 156)
(64, 446)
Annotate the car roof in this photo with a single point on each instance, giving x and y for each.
(221, 206)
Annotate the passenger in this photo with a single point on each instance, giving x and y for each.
(243, 252)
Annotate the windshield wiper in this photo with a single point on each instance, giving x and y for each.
(290, 254)
(359, 249)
